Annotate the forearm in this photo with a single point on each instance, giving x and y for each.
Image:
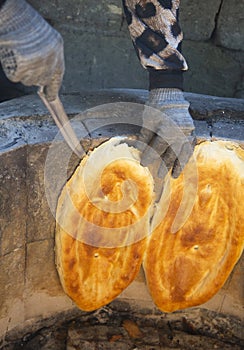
(156, 35)
(31, 51)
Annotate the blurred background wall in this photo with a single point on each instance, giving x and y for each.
(100, 54)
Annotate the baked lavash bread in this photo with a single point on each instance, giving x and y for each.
(102, 225)
(187, 267)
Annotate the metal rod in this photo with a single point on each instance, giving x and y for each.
(61, 119)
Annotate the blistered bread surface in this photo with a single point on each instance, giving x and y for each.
(187, 267)
(102, 225)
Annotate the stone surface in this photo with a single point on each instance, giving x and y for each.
(114, 119)
(100, 61)
(13, 200)
(230, 27)
(197, 18)
(41, 274)
(220, 70)
(12, 282)
(31, 297)
(28, 118)
(204, 107)
(41, 223)
(28, 115)
(103, 15)
(235, 130)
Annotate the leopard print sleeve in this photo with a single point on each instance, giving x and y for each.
(155, 33)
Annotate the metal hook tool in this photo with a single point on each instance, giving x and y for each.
(61, 119)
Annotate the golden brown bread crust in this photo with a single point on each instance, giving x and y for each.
(99, 251)
(183, 269)
(187, 268)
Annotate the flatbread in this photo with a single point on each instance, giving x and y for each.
(186, 268)
(103, 216)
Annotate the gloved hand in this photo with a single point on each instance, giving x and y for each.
(167, 132)
(31, 51)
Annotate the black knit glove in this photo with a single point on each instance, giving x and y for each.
(31, 51)
(167, 132)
